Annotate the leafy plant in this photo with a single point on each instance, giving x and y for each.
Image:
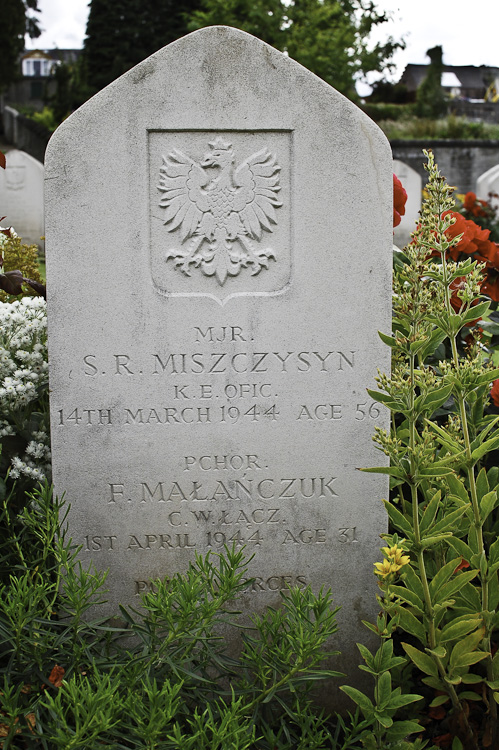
(162, 678)
(445, 595)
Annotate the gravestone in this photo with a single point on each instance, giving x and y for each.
(21, 196)
(413, 185)
(488, 182)
(219, 263)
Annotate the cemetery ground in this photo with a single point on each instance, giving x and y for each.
(123, 583)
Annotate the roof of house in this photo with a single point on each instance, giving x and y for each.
(469, 76)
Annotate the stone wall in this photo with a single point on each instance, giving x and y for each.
(461, 162)
(25, 134)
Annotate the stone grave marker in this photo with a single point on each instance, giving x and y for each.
(21, 196)
(219, 263)
(488, 182)
(413, 185)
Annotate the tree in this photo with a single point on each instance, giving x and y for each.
(430, 96)
(329, 37)
(264, 19)
(17, 21)
(122, 33)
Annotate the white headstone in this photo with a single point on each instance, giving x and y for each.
(219, 263)
(413, 185)
(487, 183)
(21, 196)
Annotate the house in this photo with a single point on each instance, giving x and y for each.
(467, 82)
(35, 82)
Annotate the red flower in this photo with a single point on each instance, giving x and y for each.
(490, 287)
(462, 565)
(494, 392)
(399, 201)
(474, 237)
(474, 206)
(56, 676)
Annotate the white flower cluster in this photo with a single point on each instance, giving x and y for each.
(23, 377)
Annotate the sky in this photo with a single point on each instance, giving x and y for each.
(468, 32)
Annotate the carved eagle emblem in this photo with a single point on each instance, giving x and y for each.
(220, 209)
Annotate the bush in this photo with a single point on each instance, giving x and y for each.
(161, 679)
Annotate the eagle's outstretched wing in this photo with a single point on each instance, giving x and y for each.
(257, 180)
(182, 181)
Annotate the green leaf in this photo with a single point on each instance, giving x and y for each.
(486, 447)
(424, 662)
(385, 720)
(430, 541)
(460, 547)
(439, 701)
(400, 729)
(488, 376)
(459, 628)
(384, 690)
(430, 512)
(397, 701)
(399, 520)
(409, 596)
(412, 581)
(436, 398)
(410, 623)
(466, 648)
(435, 339)
(472, 596)
(388, 340)
(443, 575)
(482, 484)
(487, 504)
(457, 584)
(476, 312)
(470, 658)
(359, 698)
(385, 398)
(391, 470)
(457, 488)
(449, 520)
(472, 679)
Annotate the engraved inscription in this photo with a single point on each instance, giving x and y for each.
(220, 208)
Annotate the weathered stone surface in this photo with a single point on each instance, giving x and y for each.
(21, 196)
(219, 252)
(413, 185)
(487, 183)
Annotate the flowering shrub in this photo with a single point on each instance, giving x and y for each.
(24, 419)
(399, 201)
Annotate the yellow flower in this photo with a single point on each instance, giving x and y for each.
(393, 562)
(385, 568)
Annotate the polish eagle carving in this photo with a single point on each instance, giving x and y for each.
(220, 209)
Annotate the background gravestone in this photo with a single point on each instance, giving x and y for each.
(413, 184)
(487, 183)
(21, 196)
(219, 262)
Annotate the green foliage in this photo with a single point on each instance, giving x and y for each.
(262, 18)
(444, 596)
(17, 21)
(327, 36)
(24, 258)
(430, 97)
(161, 678)
(395, 113)
(122, 34)
(450, 127)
